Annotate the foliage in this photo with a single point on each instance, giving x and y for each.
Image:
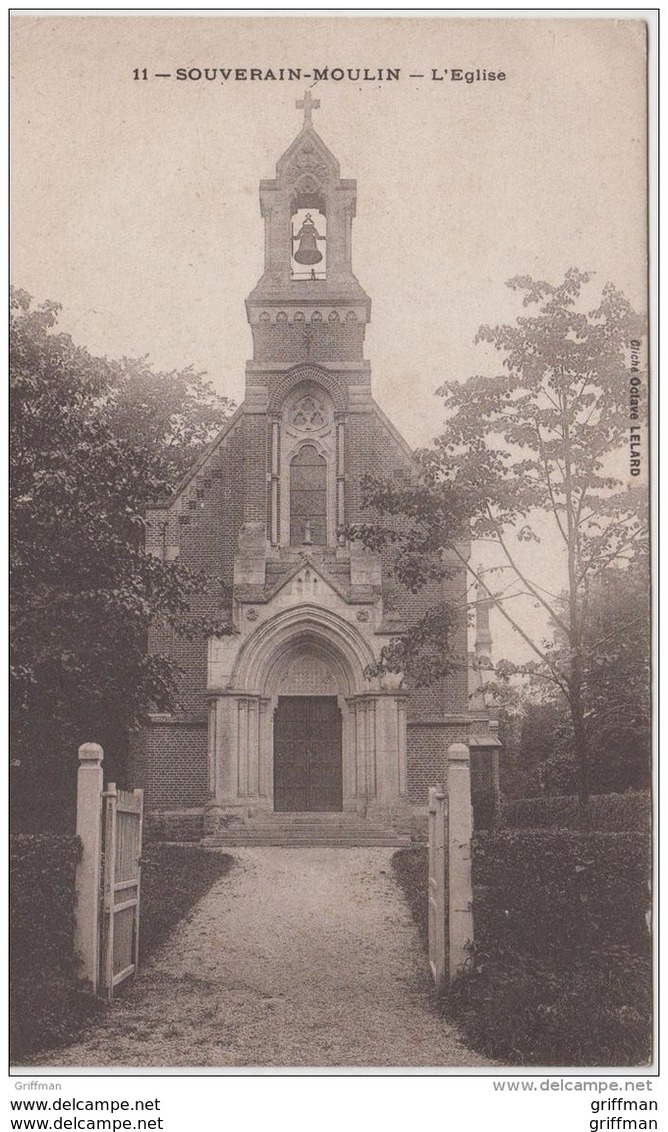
(613, 813)
(522, 1011)
(618, 678)
(47, 1004)
(535, 443)
(173, 416)
(560, 893)
(90, 446)
(561, 969)
(420, 653)
(41, 877)
(539, 732)
(616, 694)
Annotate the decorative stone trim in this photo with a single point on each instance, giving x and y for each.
(306, 373)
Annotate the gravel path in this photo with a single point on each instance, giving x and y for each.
(298, 957)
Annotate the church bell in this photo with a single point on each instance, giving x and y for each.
(308, 237)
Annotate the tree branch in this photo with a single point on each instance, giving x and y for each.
(513, 623)
(548, 480)
(525, 581)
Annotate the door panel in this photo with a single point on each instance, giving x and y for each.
(290, 755)
(324, 754)
(307, 754)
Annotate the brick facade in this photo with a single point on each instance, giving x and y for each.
(170, 761)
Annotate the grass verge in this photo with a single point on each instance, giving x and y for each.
(173, 879)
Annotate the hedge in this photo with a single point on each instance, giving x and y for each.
(548, 892)
(47, 1000)
(522, 1011)
(561, 969)
(560, 973)
(612, 813)
(556, 892)
(42, 898)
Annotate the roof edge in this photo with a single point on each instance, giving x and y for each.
(186, 479)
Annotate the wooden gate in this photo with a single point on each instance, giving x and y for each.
(123, 816)
(437, 884)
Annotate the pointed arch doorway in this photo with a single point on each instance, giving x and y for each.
(301, 726)
(308, 756)
(311, 686)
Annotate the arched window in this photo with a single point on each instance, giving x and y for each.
(308, 498)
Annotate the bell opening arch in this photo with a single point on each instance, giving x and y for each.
(308, 237)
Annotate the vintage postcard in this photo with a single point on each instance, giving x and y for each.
(330, 479)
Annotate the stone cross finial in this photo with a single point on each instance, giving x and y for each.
(308, 105)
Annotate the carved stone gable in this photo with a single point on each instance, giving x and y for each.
(308, 161)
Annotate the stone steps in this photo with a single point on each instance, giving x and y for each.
(295, 829)
(308, 817)
(315, 839)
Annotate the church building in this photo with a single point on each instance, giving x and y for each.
(282, 731)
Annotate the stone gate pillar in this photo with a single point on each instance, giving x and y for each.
(460, 820)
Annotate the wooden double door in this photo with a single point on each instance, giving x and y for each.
(307, 754)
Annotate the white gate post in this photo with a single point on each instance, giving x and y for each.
(437, 884)
(460, 821)
(89, 829)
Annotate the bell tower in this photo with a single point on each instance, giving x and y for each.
(308, 383)
(308, 307)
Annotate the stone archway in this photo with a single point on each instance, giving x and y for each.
(307, 652)
(262, 655)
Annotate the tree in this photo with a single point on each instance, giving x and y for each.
(616, 688)
(173, 416)
(538, 443)
(84, 465)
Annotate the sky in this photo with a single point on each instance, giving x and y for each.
(135, 203)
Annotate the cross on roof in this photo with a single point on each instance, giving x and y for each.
(307, 104)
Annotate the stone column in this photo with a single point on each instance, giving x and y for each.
(225, 749)
(275, 482)
(212, 734)
(240, 753)
(89, 829)
(340, 479)
(265, 752)
(387, 763)
(360, 748)
(390, 757)
(348, 754)
(378, 730)
(460, 815)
